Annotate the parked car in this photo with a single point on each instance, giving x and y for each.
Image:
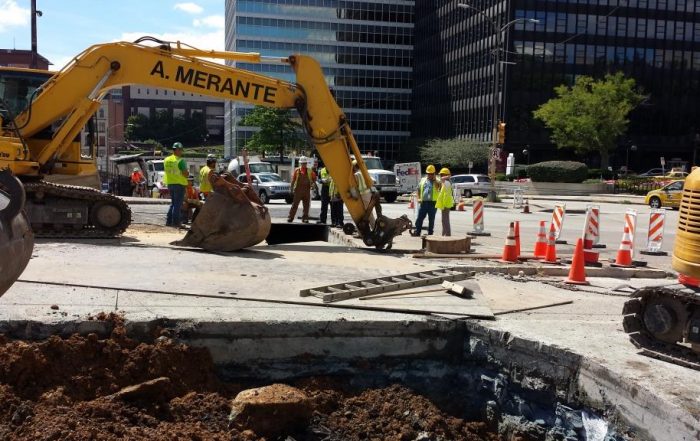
(653, 172)
(269, 186)
(471, 185)
(666, 196)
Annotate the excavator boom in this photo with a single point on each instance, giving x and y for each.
(67, 100)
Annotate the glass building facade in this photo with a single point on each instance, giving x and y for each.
(365, 49)
(656, 42)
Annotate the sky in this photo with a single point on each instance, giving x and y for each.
(67, 27)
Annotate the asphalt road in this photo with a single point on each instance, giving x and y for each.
(496, 219)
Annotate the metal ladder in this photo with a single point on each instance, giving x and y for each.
(351, 290)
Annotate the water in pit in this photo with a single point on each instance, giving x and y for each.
(86, 387)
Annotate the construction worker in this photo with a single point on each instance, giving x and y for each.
(336, 202)
(324, 178)
(205, 186)
(192, 203)
(176, 179)
(428, 190)
(445, 200)
(302, 180)
(138, 183)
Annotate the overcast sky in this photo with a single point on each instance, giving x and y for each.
(67, 27)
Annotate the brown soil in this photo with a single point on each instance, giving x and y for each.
(84, 388)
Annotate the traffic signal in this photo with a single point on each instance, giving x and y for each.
(501, 133)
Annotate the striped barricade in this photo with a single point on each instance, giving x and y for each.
(558, 221)
(655, 235)
(478, 218)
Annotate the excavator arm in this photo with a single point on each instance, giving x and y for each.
(74, 94)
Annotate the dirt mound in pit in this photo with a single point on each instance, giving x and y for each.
(84, 368)
(83, 388)
(397, 413)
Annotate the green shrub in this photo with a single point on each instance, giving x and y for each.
(597, 173)
(501, 177)
(558, 171)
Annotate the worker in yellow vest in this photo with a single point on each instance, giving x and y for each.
(176, 179)
(324, 179)
(428, 190)
(302, 180)
(336, 204)
(445, 200)
(205, 178)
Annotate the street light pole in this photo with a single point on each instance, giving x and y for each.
(498, 33)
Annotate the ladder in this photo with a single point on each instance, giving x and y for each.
(351, 290)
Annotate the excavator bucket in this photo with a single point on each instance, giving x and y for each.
(16, 237)
(231, 219)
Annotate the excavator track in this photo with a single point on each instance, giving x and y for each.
(683, 298)
(107, 216)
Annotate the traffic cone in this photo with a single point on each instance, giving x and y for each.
(412, 202)
(624, 254)
(541, 243)
(526, 207)
(509, 251)
(577, 273)
(460, 206)
(517, 239)
(551, 254)
(590, 257)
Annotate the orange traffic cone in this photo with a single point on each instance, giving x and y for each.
(577, 273)
(509, 251)
(460, 206)
(624, 254)
(526, 207)
(517, 239)
(541, 243)
(412, 202)
(551, 254)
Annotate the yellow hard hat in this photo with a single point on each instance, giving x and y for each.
(445, 171)
(354, 162)
(430, 169)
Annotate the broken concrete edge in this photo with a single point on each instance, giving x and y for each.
(596, 386)
(282, 350)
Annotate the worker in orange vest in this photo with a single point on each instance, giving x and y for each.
(302, 180)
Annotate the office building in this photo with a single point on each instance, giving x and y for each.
(656, 42)
(365, 49)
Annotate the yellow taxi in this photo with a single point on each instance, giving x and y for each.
(667, 196)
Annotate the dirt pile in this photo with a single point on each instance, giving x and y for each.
(83, 388)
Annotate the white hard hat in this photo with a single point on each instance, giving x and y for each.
(136, 169)
(303, 160)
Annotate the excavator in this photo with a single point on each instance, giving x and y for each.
(41, 120)
(664, 321)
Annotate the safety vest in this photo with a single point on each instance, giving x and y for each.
(204, 184)
(325, 176)
(445, 198)
(332, 188)
(173, 174)
(297, 173)
(420, 190)
(361, 184)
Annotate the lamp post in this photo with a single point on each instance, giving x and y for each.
(498, 33)
(627, 162)
(35, 56)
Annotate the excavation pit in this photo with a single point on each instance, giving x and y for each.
(441, 380)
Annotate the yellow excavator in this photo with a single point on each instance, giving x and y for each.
(41, 120)
(664, 321)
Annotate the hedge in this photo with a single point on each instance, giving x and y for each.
(558, 171)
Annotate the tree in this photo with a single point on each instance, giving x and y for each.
(455, 152)
(591, 115)
(278, 130)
